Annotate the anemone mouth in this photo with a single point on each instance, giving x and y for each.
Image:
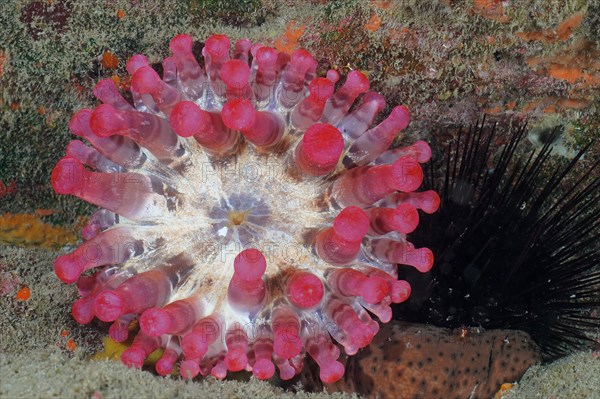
(244, 216)
(515, 241)
(236, 218)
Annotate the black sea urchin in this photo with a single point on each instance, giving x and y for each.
(516, 241)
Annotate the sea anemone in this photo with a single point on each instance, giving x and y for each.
(249, 212)
(516, 241)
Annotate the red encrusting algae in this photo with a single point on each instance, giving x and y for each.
(249, 213)
(23, 294)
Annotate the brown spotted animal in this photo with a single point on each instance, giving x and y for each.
(408, 361)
